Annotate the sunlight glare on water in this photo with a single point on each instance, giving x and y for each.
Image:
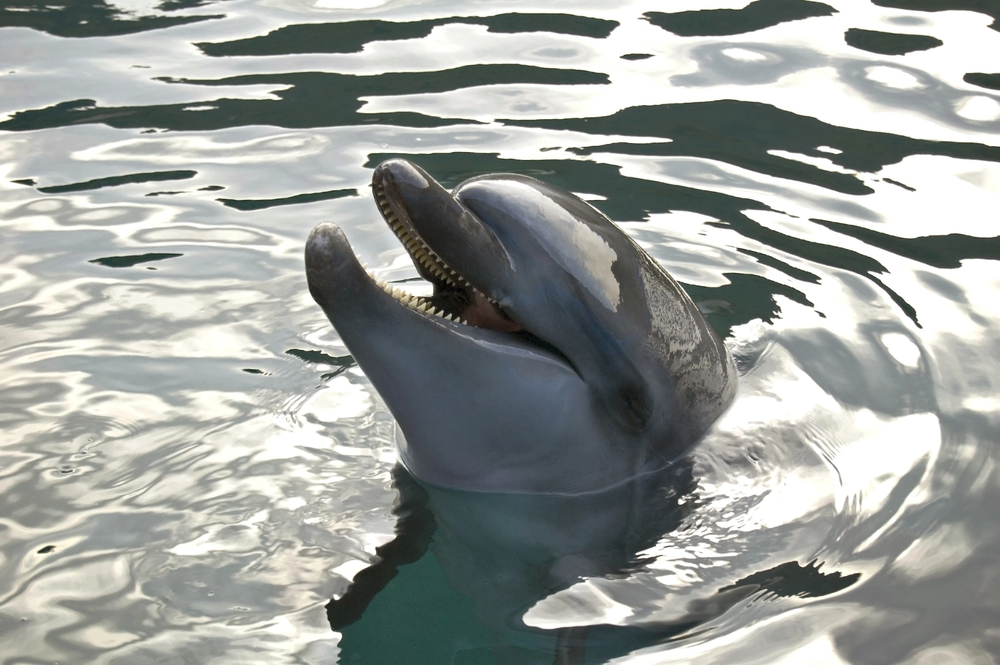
(194, 467)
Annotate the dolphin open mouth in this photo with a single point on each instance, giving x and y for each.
(454, 297)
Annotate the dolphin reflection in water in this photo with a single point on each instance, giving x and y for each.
(545, 393)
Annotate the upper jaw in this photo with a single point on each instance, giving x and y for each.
(430, 266)
(402, 190)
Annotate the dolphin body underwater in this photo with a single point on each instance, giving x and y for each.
(555, 356)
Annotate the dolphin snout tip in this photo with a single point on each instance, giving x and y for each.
(325, 240)
(401, 171)
(327, 250)
(329, 262)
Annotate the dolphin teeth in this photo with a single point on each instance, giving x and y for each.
(419, 251)
(422, 307)
(448, 317)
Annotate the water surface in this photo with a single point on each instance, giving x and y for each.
(193, 466)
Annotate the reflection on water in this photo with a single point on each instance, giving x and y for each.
(193, 466)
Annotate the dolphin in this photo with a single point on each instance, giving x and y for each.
(555, 356)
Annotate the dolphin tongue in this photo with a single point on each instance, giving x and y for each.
(483, 314)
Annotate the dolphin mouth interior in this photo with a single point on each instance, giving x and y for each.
(454, 298)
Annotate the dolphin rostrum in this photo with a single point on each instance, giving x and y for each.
(554, 356)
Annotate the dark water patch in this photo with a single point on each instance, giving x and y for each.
(114, 181)
(130, 260)
(47, 549)
(449, 634)
(778, 264)
(637, 56)
(898, 184)
(744, 133)
(307, 100)
(346, 37)
(352, 36)
(30, 182)
(211, 188)
(90, 19)
(253, 370)
(480, 559)
(565, 24)
(989, 7)
(167, 193)
(889, 43)
(907, 309)
(320, 358)
(795, 580)
(989, 81)
(836, 257)
(175, 5)
(261, 204)
(414, 533)
(944, 251)
(748, 297)
(814, 252)
(755, 16)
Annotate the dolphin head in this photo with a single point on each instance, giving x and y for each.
(554, 355)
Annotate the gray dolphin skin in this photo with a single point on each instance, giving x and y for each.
(554, 356)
